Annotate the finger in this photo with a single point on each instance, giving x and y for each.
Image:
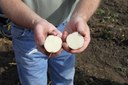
(59, 34)
(81, 29)
(52, 55)
(41, 49)
(87, 40)
(55, 32)
(39, 42)
(64, 36)
(77, 50)
(39, 37)
(66, 47)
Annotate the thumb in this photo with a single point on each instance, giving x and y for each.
(64, 36)
(59, 34)
(40, 40)
(56, 33)
(82, 29)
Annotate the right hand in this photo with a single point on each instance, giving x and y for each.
(41, 30)
(76, 24)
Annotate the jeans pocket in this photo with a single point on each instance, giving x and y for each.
(17, 31)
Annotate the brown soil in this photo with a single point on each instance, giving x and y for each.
(104, 62)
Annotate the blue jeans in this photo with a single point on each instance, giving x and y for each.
(33, 66)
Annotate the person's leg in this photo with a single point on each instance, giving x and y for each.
(31, 64)
(62, 67)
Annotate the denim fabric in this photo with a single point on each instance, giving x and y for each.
(33, 66)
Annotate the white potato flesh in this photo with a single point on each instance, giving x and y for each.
(53, 44)
(75, 40)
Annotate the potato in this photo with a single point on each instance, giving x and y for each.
(53, 44)
(75, 40)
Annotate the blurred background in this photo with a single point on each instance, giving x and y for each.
(104, 62)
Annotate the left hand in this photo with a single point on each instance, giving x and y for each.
(76, 24)
(41, 30)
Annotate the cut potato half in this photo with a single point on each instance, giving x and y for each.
(53, 44)
(75, 40)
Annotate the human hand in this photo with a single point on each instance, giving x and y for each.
(41, 30)
(76, 24)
